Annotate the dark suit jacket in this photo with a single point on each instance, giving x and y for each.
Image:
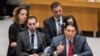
(81, 47)
(24, 45)
(14, 29)
(50, 28)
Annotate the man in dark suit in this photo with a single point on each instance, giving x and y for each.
(52, 25)
(69, 44)
(31, 42)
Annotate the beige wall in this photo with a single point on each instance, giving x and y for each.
(97, 0)
(93, 0)
(86, 14)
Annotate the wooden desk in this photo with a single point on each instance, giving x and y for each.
(87, 14)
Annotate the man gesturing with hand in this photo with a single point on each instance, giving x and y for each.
(69, 44)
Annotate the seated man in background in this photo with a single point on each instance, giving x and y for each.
(70, 44)
(31, 42)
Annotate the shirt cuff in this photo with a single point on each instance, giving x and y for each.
(75, 55)
(55, 53)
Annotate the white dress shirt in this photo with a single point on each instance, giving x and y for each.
(35, 39)
(56, 22)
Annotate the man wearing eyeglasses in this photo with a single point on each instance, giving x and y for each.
(31, 42)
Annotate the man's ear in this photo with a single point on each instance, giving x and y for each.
(37, 24)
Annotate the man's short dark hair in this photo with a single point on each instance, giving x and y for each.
(54, 5)
(32, 17)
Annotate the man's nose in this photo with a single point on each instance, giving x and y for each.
(70, 32)
(58, 13)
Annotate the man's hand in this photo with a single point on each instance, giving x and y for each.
(13, 44)
(60, 48)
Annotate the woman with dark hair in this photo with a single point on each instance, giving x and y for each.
(70, 44)
(19, 24)
(71, 19)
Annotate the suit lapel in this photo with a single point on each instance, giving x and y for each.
(38, 39)
(54, 25)
(28, 40)
(75, 43)
(64, 52)
(64, 43)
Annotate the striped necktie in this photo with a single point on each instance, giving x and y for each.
(59, 27)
